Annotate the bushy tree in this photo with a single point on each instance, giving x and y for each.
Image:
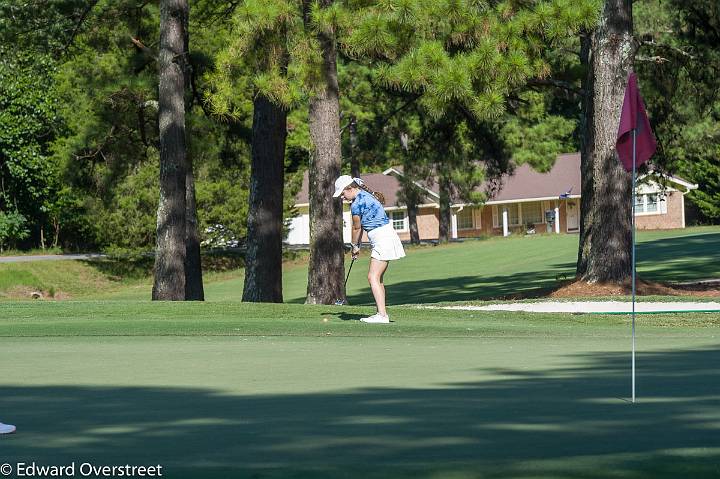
(679, 66)
(535, 136)
(283, 55)
(28, 125)
(466, 62)
(13, 228)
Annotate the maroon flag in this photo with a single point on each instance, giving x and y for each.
(633, 117)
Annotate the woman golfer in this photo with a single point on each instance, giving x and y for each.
(368, 214)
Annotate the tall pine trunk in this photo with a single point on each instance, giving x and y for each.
(170, 253)
(445, 212)
(263, 260)
(194, 290)
(410, 195)
(326, 268)
(605, 225)
(412, 209)
(354, 160)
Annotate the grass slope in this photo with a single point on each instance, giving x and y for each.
(457, 272)
(497, 267)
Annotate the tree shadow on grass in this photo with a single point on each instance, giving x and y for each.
(680, 259)
(555, 423)
(345, 316)
(672, 259)
(466, 288)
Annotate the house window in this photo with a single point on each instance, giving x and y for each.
(465, 219)
(513, 210)
(651, 203)
(648, 203)
(532, 213)
(513, 214)
(398, 220)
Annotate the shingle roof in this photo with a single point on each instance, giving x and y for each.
(524, 183)
(388, 185)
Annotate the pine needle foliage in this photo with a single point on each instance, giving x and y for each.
(467, 53)
(275, 52)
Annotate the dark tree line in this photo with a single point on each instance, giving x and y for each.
(449, 90)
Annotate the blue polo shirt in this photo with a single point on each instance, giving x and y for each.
(371, 212)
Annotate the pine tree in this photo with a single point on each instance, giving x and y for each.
(288, 48)
(326, 266)
(465, 60)
(194, 290)
(678, 65)
(605, 212)
(170, 255)
(259, 60)
(410, 193)
(464, 54)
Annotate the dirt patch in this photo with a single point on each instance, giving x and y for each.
(574, 289)
(26, 292)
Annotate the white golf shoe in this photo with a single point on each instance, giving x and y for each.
(6, 428)
(376, 318)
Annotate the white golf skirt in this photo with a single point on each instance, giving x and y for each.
(386, 245)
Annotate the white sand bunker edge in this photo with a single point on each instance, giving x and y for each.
(594, 307)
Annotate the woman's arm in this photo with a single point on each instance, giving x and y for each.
(356, 235)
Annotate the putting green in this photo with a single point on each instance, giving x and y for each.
(515, 398)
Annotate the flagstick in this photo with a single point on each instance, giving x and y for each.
(633, 267)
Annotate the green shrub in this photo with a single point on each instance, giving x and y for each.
(13, 228)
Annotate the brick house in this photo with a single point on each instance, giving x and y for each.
(526, 201)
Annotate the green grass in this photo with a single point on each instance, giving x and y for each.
(13, 277)
(227, 389)
(492, 268)
(500, 267)
(231, 318)
(468, 271)
(272, 391)
(32, 251)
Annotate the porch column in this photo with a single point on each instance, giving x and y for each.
(682, 207)
(557, 217)
(453, 224)
(506, 230)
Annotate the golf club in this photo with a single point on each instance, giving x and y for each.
(339, 301)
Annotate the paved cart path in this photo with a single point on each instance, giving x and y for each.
(48, 257)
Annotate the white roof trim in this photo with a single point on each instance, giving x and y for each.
(397, 172)
(391, 170)
(488, 203)
(527, 200)
(404, 207)
(674, 179)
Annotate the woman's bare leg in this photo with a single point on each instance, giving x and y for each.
(375, 277)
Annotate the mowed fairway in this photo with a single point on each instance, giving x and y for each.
(485, 269)
(228, 389)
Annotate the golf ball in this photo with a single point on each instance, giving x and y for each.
(325, 320)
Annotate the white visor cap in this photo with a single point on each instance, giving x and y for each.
(341, 183)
